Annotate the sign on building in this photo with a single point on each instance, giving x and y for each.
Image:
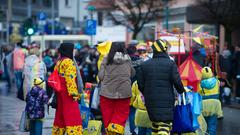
(175, 43)
(91, 27)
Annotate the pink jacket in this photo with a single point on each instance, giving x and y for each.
(18, 59)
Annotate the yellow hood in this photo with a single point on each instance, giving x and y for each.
(103, 49)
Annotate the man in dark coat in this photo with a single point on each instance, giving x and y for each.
(156, 78)
(236, 70)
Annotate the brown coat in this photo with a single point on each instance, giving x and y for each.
(116, 78)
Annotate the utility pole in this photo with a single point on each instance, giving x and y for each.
(9, 16)
(78, 12)
(29, 14)
(53, 24)
(29, 11)
(166, 13)
(91, 35)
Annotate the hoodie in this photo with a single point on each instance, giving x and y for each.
(116, 78)
(210, 88)
(33, 68)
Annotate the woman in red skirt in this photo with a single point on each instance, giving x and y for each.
(67, 118)
(114, 75)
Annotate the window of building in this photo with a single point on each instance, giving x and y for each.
(85, 17)
(47, 3)
(33, 1)
(100, 18)
(67, 3)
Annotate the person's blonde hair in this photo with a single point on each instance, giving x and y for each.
(34, 51)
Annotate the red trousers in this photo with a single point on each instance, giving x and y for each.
(115, 112)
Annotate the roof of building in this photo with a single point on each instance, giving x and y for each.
(100, 4)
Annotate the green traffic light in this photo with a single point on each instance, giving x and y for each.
(30, 31)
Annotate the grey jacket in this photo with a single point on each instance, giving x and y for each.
(116, 78)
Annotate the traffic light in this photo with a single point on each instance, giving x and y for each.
(29, 27)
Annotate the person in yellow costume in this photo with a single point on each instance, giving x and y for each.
(103, 49)
(142, 120)
(209, 89)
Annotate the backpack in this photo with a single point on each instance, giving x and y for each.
(36, 99)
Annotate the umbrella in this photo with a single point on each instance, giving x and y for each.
(190, 73)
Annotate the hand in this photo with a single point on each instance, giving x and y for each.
(187, 90)
(222, 84)
(76, 97)
(94, 85)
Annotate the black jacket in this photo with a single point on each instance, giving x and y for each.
(236, 63)
(156, 78)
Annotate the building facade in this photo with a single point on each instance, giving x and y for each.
(18, 10)
(74, 13)
(176, 17)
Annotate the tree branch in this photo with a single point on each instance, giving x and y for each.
(136, 13)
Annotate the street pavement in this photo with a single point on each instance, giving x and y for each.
(11, 109)
(10, 113)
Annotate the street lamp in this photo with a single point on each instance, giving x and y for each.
(166, 13)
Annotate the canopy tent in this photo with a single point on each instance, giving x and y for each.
(190, 73)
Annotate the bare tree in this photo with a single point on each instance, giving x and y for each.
(224, 12)
(134, 14)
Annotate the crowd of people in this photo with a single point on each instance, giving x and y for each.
(139, 83)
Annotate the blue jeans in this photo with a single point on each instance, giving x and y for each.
(144, 131)
(132, 119)
(19, 79)
(6, 75)
(211, 124)
(36, 127)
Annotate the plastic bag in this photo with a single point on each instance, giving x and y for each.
(197, 108)
(96, 98)
(142, 119)
(94, 128)
(183, 117)
(85, 114)
(24, 125)
(54, 81)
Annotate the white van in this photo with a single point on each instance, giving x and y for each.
(52, 41)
